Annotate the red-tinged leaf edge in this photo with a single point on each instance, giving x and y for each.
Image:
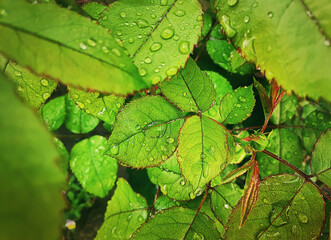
(237, 172)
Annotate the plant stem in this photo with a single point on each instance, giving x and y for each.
(271, 127)
(298, 171)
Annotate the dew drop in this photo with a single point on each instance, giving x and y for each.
(167, 33)
(238, 105)
(327, 42)
(142, 72)
(182, 182)
(130, 40)
(140, 218)
(198, 192)
(191, 195)
(265, 201)
(164, 2)
(104, 18)
(153, 16)
(116, 52)
(242, 99)
(91, 42)
(46, 95)
(294, 230)
(232, 2)
(205, 170)
(156, 79)
(148, 60)
(246, 19)
(3, 12)
(170, 140)
(128, 218)
(184, 47)
(81, 105)
(105, 49)
(171, 71)
(142, 23)
(115, 149)
(231, 32)
(198, 236)
(18, 73)
(123, 14)
(44, 82)
(255, 4)
(303, 218)
(156, 70)
(180, 13)
(270, 14)
(155, 46)
(226, 206)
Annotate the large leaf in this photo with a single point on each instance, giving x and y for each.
(60, 43)
(321, 159)
(171, 181)
(159, 35)
(287, 208)
(94, 170)
(146, 132)
(285, 144)
(31, 183)
(179, 223)
(54, 112)
(32, 88)
(191, 90)
(126, 211)
(237, 106)
(204, 149)
(283, 39)
(103, 107)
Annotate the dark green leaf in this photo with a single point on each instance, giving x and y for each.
(320, 120)
(286, 209)
(191, 89)
(54, 113)
(204, 149)
(94, 170)
(146, 132)
(285, 110)
(179, 223)
(66, 46)
(237, 106)
(126, 211)
(31, 183)
(158, 35)
(264, 97)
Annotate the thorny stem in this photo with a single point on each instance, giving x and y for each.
(199, 208)
(301, 173)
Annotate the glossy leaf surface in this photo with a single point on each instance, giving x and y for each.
(82, 53)
(158, 35)
(282, 38)
(286, 209)
(94, 170)
(54, 112)
(179, 223)
(191, 89)
(30, 180)
(126, 211)
(237, 106)
(146, 132)
(321, 160)
(204, 149)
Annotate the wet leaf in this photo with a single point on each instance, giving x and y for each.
(321, 160)
(30, 180)
(237, 172)
(146, 132)
(272, 34)
(191, 89)
(237, 106)
(285, 110)
(104, 107)
(179, 223)
(63, 161)
(204, 148)
(81, 53)
(94, 9)
(286, 209)
(264, 97)
(93, 169)
(54, 113)
(126, 211)
(158, 35)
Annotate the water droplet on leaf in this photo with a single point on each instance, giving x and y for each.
(115, 149)
(232, 2)
(184, 47)
(155, 46)
(167, 33)
(44, 82)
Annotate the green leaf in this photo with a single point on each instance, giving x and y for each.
(285, 110)
(78, 121)
(237, 106)
(320, 120)
(264, 97)
(285, 144)
(222, 87)
(225, 55)
(94, 170)
(179, 223)
(94, 9)
(321, 160)
(104, 107)
(31, 183)
(223, 199)
(63, 161)
(204, 149)
(272, 35)
(32, 88)
(207, 23)
(126, 211)
(163, 202)
(145, 133)
(287, 208)
(191, 89)
(237, 172)
(168, 176)
(54, 113)
(158, 35)
(66, 46)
